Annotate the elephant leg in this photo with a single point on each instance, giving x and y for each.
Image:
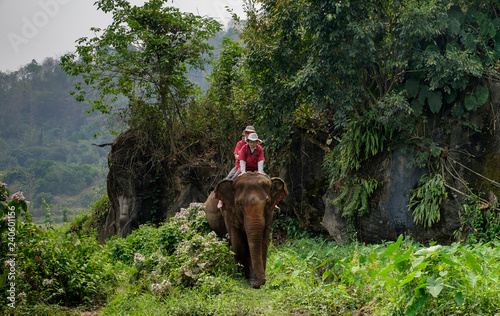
(265, 242)
(239, 244)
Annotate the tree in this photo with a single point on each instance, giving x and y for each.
(144, 56)
(347, 59)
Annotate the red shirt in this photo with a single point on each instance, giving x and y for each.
(237, 149)
(251, 158)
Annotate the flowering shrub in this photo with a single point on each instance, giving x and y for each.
(178, 253)
(202, 255)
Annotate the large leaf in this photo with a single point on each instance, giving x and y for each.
(450, 98)
(434, 286)
(412, 87)
(482, 94)
(417, 106)
(459, 298)
(416, 304)
(470, 41)
(456, 13)
(392, 247)
(471, 102)
(428, 250)
(423, 94)
(454, 27)
(471, 260)
(435, 101)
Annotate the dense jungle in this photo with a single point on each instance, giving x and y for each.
(379, 116)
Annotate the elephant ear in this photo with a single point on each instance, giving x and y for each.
(224, 191)
(278, 190)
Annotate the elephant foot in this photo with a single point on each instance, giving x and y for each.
(257, 284)
(254, 281)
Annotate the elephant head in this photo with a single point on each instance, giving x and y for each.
(249, 203)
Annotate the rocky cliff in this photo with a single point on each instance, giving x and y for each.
(470, 158)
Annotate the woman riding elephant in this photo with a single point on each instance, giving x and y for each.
(251, 155)
(237, 170)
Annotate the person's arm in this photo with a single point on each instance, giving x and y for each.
(260, 166)
(238, 147)
(243, 166)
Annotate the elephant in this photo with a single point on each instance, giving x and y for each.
(246, 215)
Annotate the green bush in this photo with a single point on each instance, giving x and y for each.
(87, 222)
(50, 266)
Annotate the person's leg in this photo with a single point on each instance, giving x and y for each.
(231, 173)
(236, 174)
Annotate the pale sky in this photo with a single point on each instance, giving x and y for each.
(37, 29)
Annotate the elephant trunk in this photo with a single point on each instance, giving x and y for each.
(255, 230)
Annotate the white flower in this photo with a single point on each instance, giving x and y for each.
(47, 281)
(22, 295)
(139, 258)
(201, 213)
(18, 196)
(159, 289)
(2, 186)
(184, 228)
(183, 213)
(155, 287)
(165, 283)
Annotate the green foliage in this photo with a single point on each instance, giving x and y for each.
(419, 280)
(46, 266)
(353, 199)
(479, 222)
(426, 200)
(288, 228)
(362, 140)
(87, 222)
(355, 62)
(179, 268)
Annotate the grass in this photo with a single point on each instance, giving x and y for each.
(179, 268)
(294, 287)
(314, 277)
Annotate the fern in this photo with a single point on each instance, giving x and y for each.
(353, 199)
(426, 200)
